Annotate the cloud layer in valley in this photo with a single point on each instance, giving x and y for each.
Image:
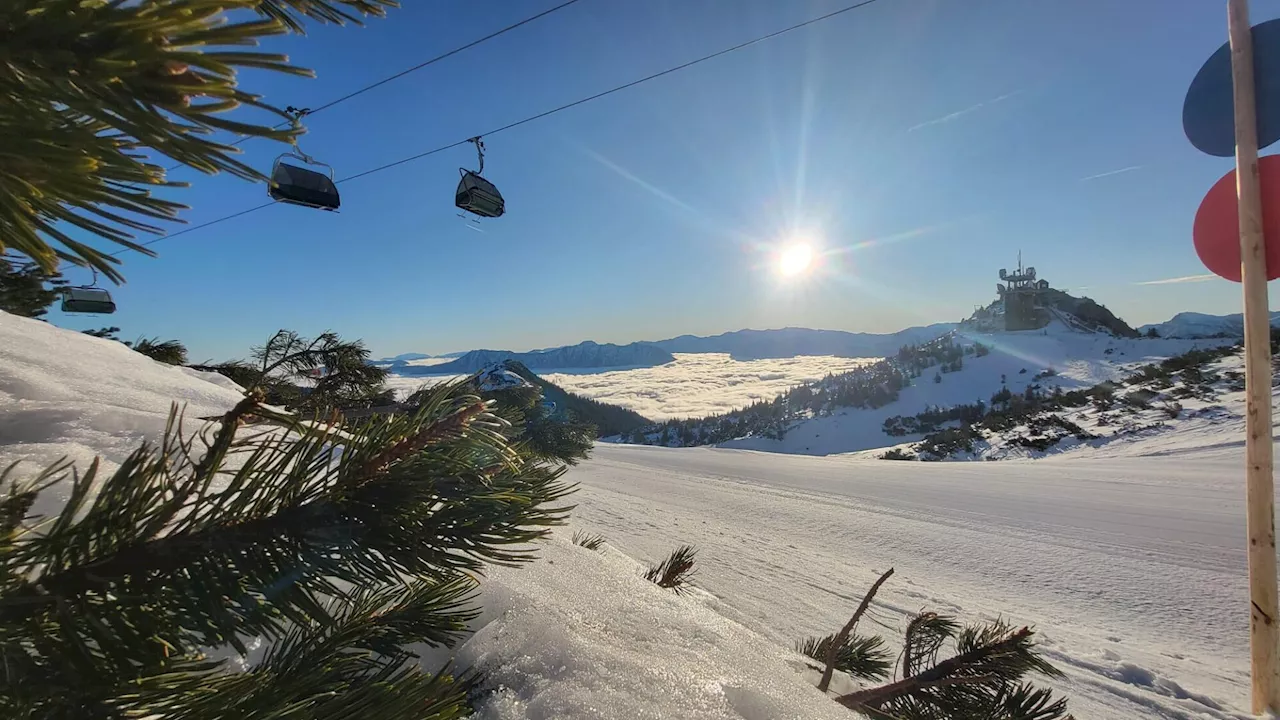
(701, 384)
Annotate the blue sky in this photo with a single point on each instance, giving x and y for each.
(918, 144)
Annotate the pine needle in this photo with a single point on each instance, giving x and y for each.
(676, 572)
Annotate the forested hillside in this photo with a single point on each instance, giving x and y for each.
(870, 386)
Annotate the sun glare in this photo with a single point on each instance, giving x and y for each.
(795, 259)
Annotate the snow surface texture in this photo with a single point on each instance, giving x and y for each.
(700, 384)
(580, 634)
(1081, 360)
(63, 393)
(1133, 570)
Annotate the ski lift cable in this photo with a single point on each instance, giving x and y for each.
(531, 118)
(406, 71)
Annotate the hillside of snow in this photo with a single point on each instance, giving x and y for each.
(63, 393)
(1199, 325)
(1078, 359)
(576, 635)
(1131, 568)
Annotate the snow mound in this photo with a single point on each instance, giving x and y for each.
(67, 394)
(579, 634)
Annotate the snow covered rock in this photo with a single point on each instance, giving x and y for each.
(498, 377)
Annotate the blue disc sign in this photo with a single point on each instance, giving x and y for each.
(1208, 112)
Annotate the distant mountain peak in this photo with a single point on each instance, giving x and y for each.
(1026, 302)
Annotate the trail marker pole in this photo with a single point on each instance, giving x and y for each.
(1264, 632)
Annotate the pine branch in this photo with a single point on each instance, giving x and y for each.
(357, 659)
(261, 536)
(293, 13)
(843, 636)
(676, 571)
(862, 656)
(926, 633)
(934, 676)
(98, 94)
(590, 541)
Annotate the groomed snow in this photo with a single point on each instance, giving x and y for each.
(1132, 569)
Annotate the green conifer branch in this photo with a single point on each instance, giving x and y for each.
(98, 94)
(341, 546)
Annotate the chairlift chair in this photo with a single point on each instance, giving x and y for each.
(477, 195)
(87, 299)
(297, 185)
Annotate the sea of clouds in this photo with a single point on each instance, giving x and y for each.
(695, 385)
(700, 384)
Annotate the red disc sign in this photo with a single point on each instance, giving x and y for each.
(1217, 227)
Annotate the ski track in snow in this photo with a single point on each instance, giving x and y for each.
(1132, 569)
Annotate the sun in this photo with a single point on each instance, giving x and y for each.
(795, 259)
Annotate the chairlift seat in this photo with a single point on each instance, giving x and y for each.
(87, 300)
(301, 186)
(479, 196)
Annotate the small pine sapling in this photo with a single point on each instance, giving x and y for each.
(676, 572)
(983, 677)
(861, 656)
(590, 541)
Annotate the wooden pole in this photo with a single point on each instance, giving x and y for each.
(1264, 633)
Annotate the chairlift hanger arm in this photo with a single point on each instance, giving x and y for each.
(479, 143)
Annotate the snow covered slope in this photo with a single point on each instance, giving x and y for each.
(1079, 359)
(1133, 570)
(64, 393)
(577, 635)
(1199, 325)
(580, 635)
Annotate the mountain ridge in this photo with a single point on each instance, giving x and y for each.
(745, 344)
(587, 354)
(749, 344)
(1202, 325)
